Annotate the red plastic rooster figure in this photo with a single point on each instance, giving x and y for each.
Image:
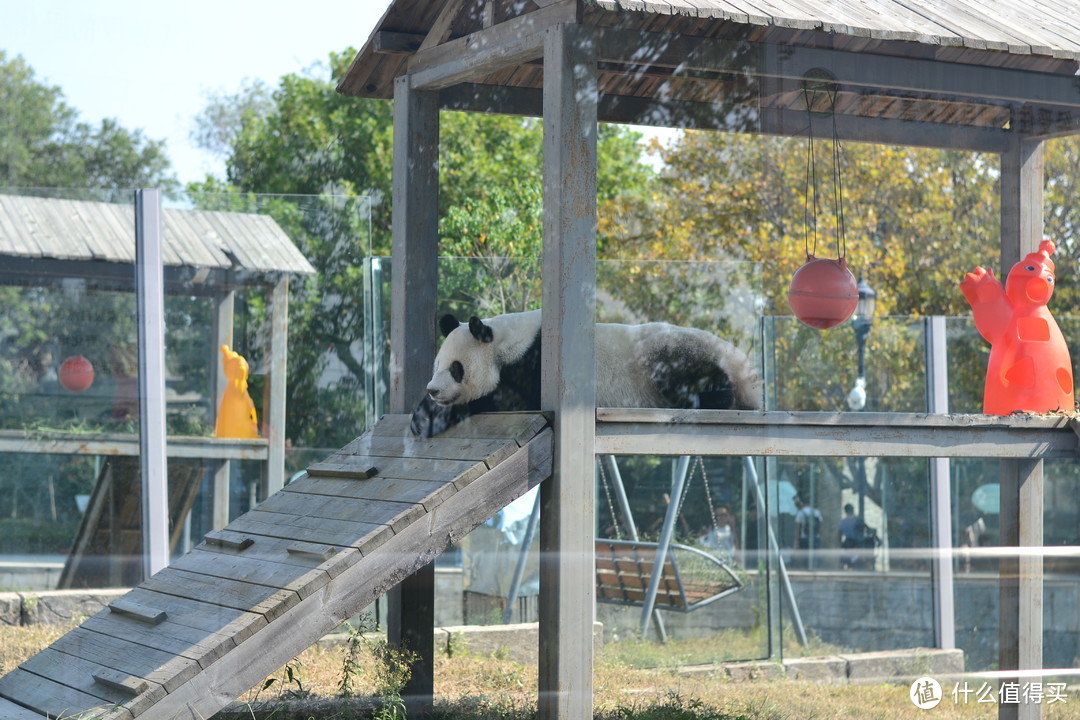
(1029, 369)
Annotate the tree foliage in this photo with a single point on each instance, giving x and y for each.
(304, 138)
(914, 220)
(44, 144)
(44, 147)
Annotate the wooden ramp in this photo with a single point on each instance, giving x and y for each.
(254, 595)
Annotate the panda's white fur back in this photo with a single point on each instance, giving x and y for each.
(625, 360)
(621, 350)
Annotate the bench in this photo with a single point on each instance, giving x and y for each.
(690, 578)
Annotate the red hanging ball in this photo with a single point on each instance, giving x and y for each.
(823, 293)
(76, 374)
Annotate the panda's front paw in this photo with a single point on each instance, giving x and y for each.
(423, 417)
(430, 418)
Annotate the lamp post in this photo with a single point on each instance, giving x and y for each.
(860, 324)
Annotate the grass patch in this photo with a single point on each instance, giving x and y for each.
(482, 686)
(720, 647)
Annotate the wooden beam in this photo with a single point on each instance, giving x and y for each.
(388, 42)
(414, 282)
(888, 131)
(480, 53)
(627, 110)
(1020, 578)
(567, 581)
(1021, 201)
(814, 434)
(414, 293)
(440, 29)
(1020, 516)
(912, 75)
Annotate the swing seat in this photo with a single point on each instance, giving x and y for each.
(690, 578)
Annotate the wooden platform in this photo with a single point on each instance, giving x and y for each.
(254, 595)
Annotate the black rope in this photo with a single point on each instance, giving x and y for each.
(810, 178)
(811, 175)
(838, 184)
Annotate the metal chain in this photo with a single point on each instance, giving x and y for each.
(685, 492)
(708, 492)
(610, 503)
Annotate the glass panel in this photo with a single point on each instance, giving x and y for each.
(719, 550)
(728, 584)
(69, 365)
(64, 404)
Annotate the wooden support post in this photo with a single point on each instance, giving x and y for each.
(1021, 511)
(1021, 201)
(1020, 631)
(567, 534)
(414, 288)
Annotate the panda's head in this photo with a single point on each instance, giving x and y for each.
(467, 365)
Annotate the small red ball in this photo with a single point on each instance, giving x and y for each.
(823, 293)
(76, 374)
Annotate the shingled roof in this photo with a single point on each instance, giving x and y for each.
(954, 63)
(1041, 35)
(36, 232)
(1039, 28)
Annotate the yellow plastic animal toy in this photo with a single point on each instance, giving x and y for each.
(236, 416)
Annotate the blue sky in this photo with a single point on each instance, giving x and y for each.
(151, 64)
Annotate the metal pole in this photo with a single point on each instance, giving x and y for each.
(375, 383)
(941, 530)
(628, 520)
(523, 558)
(150, 294)
(620, 495)
(224, 317)
(678, 486)
(774, 546)
(274, 412)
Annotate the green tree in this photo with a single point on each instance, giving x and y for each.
(43, 143)
(44, 146)
(915, 219)
(304, 138)
(318, 151)
(1062, 217)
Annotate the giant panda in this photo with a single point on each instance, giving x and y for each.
(494, 365)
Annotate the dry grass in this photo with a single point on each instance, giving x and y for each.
(473, 685)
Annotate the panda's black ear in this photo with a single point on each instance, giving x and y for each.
(448, 324)
(479, 330)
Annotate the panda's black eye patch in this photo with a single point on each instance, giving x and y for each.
(457, 371)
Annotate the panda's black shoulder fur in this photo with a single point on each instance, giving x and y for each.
(519, 384)
(518, 390)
